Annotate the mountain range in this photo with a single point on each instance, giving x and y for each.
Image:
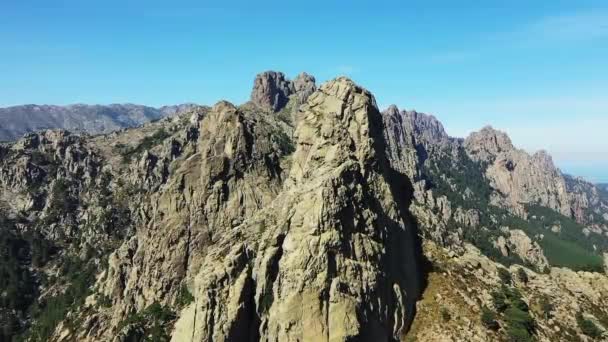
(304, 214)
(94, 119)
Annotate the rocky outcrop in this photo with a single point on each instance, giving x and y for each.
(272, 90)
(330, 258)
(304, 85)
(522, 179)
(487, 144)
(519, 244)
(588, 204)
(427, 129)
(519, 177)
(400, 142)
(232, 173)
(465, 284)
(31, 167)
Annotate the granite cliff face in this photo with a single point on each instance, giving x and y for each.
(303, 215)
(519, 177)
(306, 255)
(522, 179)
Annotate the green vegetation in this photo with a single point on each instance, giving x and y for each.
(500, 300)
(184, 296)
(104, 301)
(45, 161)
(17, 283)
(568, 248)
(39, 158)
(488, 319)
(19, 252)
(464, 174)
(520, 324)
(62, 201)
(285, 113)
(51, 311)
(482, 238)
(588, 327)
(505, 276)
(284, 142)
(153, 321)
(522, 275)
(115, 216)
(148, 142)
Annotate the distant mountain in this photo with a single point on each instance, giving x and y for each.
(18, 120)
(603, 190)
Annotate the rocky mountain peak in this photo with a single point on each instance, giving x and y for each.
(426, 127)
(486, 144)
(335, 222)
(304, 85)
(400, 141)
(522, 179)
(272, 90)
(339, 112)
(392, 110)
(544, 159)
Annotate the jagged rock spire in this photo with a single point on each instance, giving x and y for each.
(272, 90)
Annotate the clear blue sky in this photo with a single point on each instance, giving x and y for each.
(536, 69)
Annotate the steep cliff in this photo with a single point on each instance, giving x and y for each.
(329, 254)
(519, 177)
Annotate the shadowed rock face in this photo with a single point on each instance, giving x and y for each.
(304, 85)
(272, 90)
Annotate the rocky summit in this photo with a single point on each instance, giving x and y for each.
(304, 214)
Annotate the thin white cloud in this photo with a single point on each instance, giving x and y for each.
(581, 26)
(562, 29)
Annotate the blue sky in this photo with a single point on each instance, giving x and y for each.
(536, 69)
